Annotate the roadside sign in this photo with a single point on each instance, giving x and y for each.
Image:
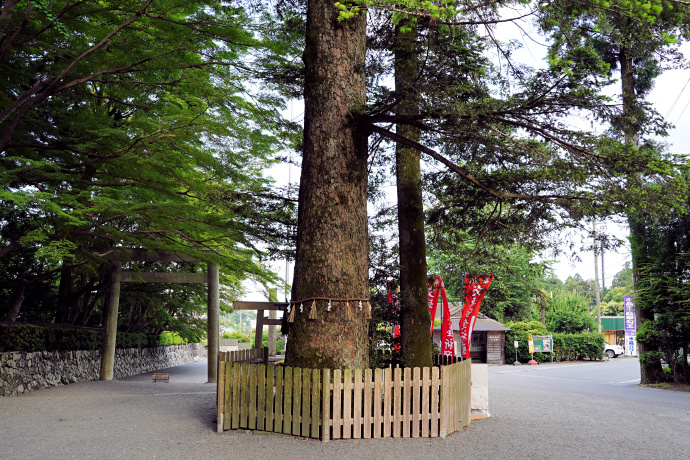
(516, 344)
(630, 326)
(542, 343)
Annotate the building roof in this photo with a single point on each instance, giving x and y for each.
(612, 323)
(483, 324)
(488, 324)
(454, 307)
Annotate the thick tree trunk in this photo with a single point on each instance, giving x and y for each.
(415, 320)
(332, 243)
(16, 300)
(648, 371)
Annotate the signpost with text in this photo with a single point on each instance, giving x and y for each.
(542, 344)
(630, 326)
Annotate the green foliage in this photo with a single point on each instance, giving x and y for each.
(662, 248)
(131, 341)
(41, 6)
(668, 339)
(612, 304)
(280, 342)
(453, 253)
(624, 278)
(566, 346)
(39, 338)
(581, 287)
(530, 186)
(23, 338)
(520, 331)
(569, 313)
(153, 136)
(240, 337)
(158, 307)
(239, 320)
(588, 345)
(171, 338)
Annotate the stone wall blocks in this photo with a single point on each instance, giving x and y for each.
(21, 372)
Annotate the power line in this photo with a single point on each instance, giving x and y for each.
(681, 114)
(677, 98)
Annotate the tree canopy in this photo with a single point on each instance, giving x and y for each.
(135, 125)
(148, 125)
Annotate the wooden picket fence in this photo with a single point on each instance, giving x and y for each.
(341, 404)
(251, 355)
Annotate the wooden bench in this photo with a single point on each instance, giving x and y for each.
(161, 377)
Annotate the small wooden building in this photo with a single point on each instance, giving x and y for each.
(613, 328)
(488, 339)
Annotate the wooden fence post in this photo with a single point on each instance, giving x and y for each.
(443, 403)
(220, 392)
(326, 405)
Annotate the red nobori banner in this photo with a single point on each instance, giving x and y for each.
(447, 342)
(394, 301)
(433, 301)
(475, 289)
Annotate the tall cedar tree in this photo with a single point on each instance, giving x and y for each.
(332, 245)
(519, 161)
(414, 311)
(638, 43)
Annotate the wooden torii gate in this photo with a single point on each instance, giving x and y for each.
(117, 276)
(261, 320)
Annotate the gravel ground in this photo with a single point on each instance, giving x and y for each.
(136, 419)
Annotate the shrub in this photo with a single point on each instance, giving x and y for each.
(242, 338)
(588, 345)
(520, 331)
(171, 338)
(131, 340)
(280, 342)
(24, 337)
(566, 346)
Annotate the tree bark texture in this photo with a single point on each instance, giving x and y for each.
(332, 242)
(415, 319)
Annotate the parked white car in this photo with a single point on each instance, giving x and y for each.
(613, 351)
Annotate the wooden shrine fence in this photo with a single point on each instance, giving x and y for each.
(350, 403)
(252, 355)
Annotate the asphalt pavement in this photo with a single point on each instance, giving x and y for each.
(547, 411)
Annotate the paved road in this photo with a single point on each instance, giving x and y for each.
(621, 371)
(566, 410)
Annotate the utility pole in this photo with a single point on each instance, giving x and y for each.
(596, 277)
(272, 314)
(603, 277)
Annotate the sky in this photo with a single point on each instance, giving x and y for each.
(671, 98)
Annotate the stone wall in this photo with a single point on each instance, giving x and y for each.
(26, 371)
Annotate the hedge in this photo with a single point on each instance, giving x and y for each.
(567, 347)
(588, 345)
(38, 338)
